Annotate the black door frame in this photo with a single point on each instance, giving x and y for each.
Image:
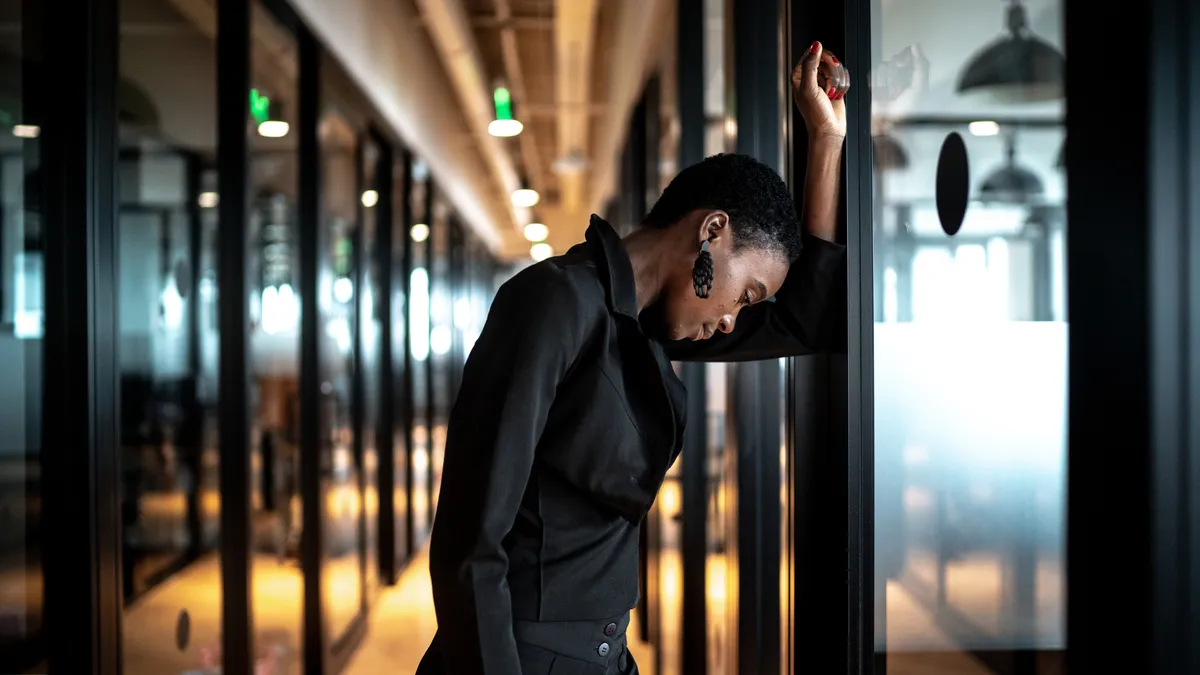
(1133, 240)
(690, 64)
(1133, 274)
(756, 410)
(72, 95)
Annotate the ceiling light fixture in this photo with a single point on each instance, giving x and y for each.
(525, 198)
(1018, 66)
(983, 128)
(419, 232)
(540, 251)
(504, 125)
(370, 198)
(536, 232)
(268, 114)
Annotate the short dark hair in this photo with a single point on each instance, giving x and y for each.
(760, 207)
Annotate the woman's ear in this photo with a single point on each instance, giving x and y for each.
(714, 226)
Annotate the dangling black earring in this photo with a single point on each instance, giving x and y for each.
(702, 271)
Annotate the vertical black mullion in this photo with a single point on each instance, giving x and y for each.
(311, 428)
(233, 78)
(833, 395)
(455, 287)
(194, 411)
(80, 473)
(1172, 126)
(1192, 321)
(358, 396)
(635, 168)
(694, 504)
(430, 398)
(409, 415)
(652, 107)
(859, 401)
(633, 191)
(759, 81)
(1109, 473)
(385, 439)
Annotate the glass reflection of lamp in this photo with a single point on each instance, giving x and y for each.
(1019, 66)
(280, 308)
(1011, 183)
(889, 154)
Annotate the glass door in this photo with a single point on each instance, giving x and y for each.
(970, 336)
(342, 561)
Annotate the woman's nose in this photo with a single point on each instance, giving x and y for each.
(725, 325)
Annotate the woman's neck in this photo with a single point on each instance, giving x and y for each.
(648, 255)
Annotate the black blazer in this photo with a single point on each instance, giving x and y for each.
(565, 425)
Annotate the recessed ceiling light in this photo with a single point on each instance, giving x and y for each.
(540, 251)
(273, 129)
(505, 128)
(983, 128)
(536, 232)
(525, 198)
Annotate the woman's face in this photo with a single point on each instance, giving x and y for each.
(740, 279)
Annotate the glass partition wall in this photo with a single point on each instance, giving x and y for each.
(970, 312)
(167, 341)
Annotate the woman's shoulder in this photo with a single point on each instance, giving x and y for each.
(567, 283)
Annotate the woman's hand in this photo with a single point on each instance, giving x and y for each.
(819, 83)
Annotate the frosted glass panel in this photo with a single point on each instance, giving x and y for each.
(970, 350)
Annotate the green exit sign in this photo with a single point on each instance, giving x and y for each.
(260, 107)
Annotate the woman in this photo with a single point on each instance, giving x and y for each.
(570, 413)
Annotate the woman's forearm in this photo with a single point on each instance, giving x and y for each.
(822, 186)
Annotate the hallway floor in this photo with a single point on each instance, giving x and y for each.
(401, 624)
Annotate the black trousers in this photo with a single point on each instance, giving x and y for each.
(559, 648)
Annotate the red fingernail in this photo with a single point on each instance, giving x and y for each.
(831, 92)
(815, 47)
(834, 59)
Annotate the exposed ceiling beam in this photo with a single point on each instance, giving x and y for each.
(551, 110)
(516, 84)
(450, 28)
(518, 22)
(574, 31)
(389, 56)
(632, 56)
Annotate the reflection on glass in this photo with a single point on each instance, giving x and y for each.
(721, 485)
(167, 341)
(21, 332)
(419, 334)
(400, 448)
(341, 577)
(441, 308)
(274, 297)
(970, 349)
(370, 336)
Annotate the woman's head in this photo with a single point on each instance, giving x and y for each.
(744, 211)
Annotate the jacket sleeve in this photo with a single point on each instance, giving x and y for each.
(806, 316)
(534, 332)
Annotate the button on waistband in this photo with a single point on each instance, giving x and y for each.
(602, 650)
(610, 630)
